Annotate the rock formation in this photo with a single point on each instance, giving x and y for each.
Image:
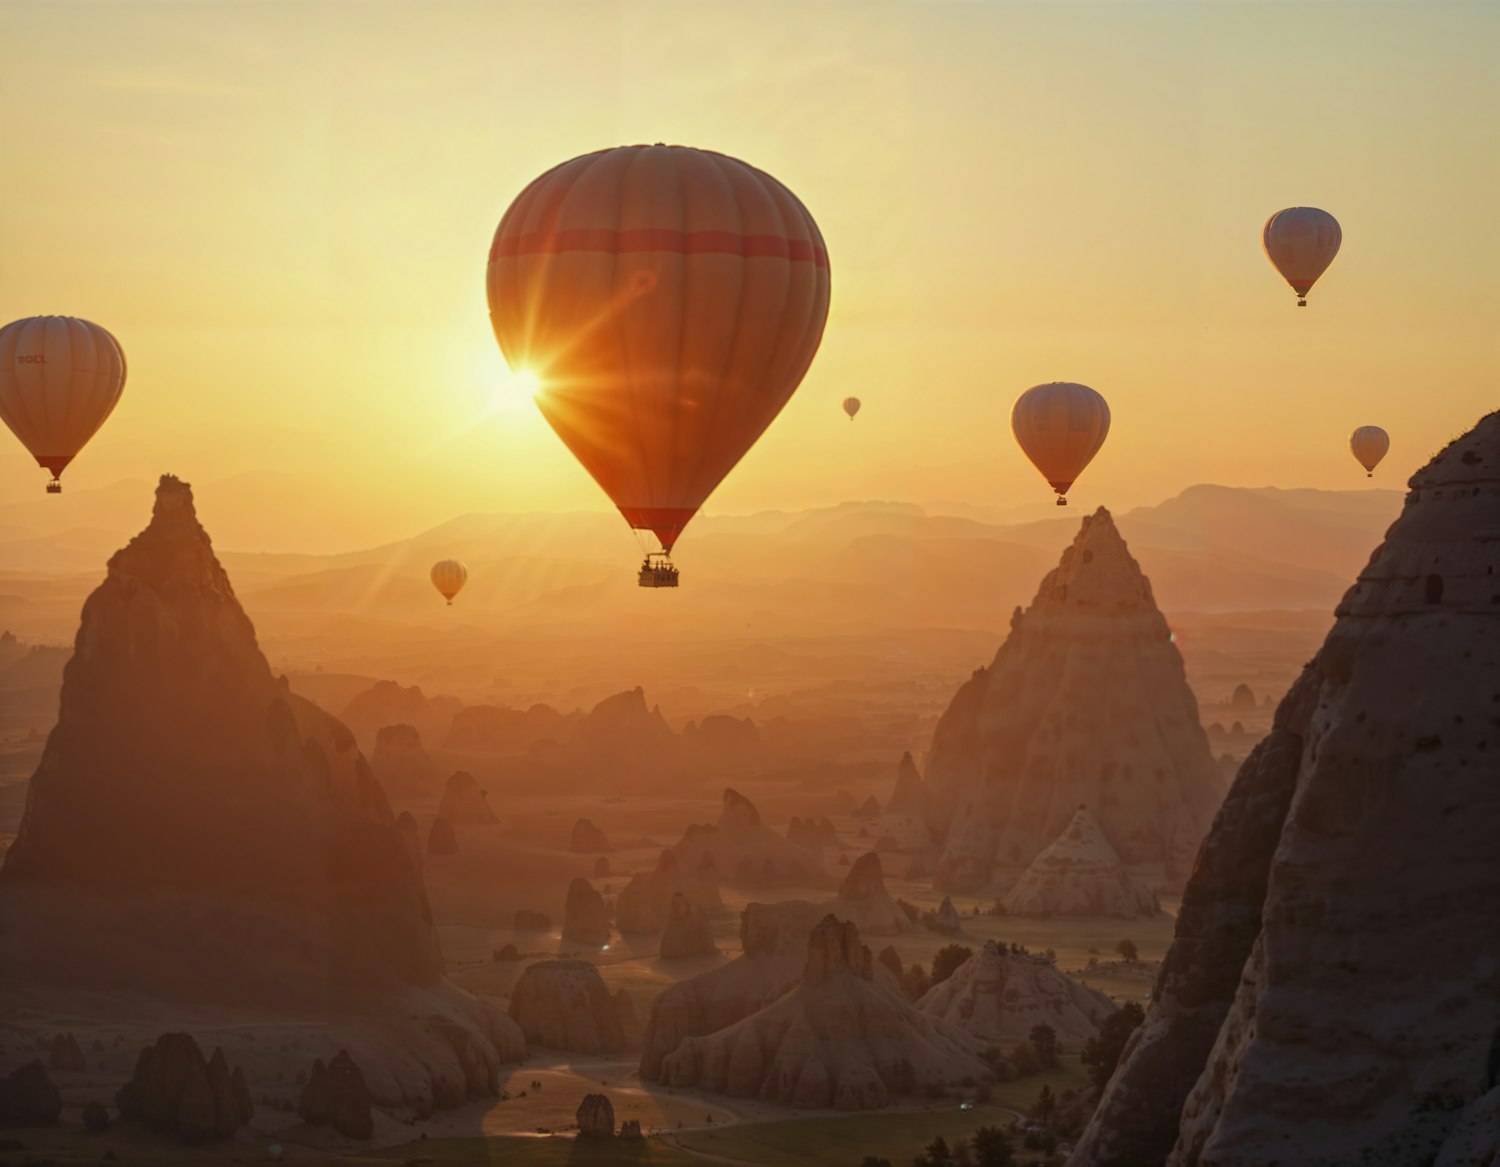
(175, 1089)
(588, 838)
(411, 837)
(645, 903)
(722, 741)
(493, 729)
(400, 761)
(563, 1004)
(189, 809)
(65, 1055)
(812, 833)
(863, 899)
(28, 1097)
(387, 703)
(773, 942)
(910, 794)
(630, 1128)
(749, 851)
(841, 1038)
(1331, 993)
(946, 919)
(596, 1117)
(464, 804)
(441, 839)
(1085, 702)
(999, 996)
(601, 867)
(869, 808)
(688, 931)
(1079, 874)
(336, 1095)
(585, 918)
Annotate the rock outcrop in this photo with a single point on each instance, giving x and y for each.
(189, 809)
(999, 996)
(946, 919)
(645, 903)
(464, 804)
(563, 1004)
(587, 838)
(1079, 874)
(65, 1055)
(688, 931)
(175, 1089)
(336, 1095)
(747, 851)
(494, 729)
(596, 1117)
(1085, 702)
(910, 794)
(812, 833)
(841, 1038)
(441, 838)
(863, 899)
(387, 703)
(29, 1097)
(773, 942)
(400, 761)
(585, 918)
(1331, 995)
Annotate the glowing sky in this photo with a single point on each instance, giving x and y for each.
(283, 212)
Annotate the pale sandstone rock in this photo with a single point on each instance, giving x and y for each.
(563, 1004)
(1079, 874)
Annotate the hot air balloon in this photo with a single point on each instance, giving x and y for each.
(669, 300)
(851, 406)
(1060, 427)
(1368, 444)
(449, 577)
(1301, 242)
(60, 378)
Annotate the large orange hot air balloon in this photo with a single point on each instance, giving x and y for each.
(669, 300)
(1301, 242)
(1369, 444)
(1060, 427)
(60, 378)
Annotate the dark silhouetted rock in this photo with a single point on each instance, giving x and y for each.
(506, 953)
(493, 729)
(739, 811)
(863, 899)
(563, 1004)
(441, 838)
(1243, 699)
(910, 794)
(336, 1095)
(688, 931)
(1086, 702)
(1330, 994)
(186, 796)
(175, 1089)
(464, 804)
(65, 1055)
(869, 808)
(588, 838)
(585, 918)
(946, 919)
(400, 761)
(596, 1117)
(630, 1128)
(601, 867)
(28, 1097)
(95, 1116)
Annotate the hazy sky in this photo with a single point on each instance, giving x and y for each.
(283, 212)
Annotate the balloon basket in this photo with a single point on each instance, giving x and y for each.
(1301, 303)
(54, 487)
(657, 571)
(1062, 502)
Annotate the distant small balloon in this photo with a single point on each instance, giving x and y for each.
(1368, 444)
(1060, 427)
(449, 577)
(1301, 242)
(60, 379)
(851, 406)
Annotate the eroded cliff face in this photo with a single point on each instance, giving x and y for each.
(1086, 702)
(1079, 874)
(189, 808)
(1333, 992)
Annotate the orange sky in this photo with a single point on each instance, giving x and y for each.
(283, 212)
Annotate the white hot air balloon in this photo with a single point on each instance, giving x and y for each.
(449, 577)
(60, 378)
(1301, 242)
(1368, 444)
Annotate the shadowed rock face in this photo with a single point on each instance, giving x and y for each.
(1334, 983)
(1079, 874)
(999, 996)
(1086, 702)
(863, 898)
(910, 794)
(585, 918)
(843, 1037)
(400, 760)
(189, 808)
(464, 803)
(745, 851)
(174, 1088)
(688, 931)
(564, 1005)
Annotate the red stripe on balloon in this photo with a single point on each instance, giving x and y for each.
(610, 241)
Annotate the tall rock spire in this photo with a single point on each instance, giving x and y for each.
(1333, 991)
(188, 807)
(1086, 702)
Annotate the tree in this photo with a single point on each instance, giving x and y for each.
(937, 1150)
(1044, 1040)
(1128, 951)
(1045, 1105)
(875, 1161)
(915, 982)
(992, 1148)
(1026, 1059)
(1102, 1054)
(947, 960)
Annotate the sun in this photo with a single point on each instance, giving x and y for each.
(505, 389)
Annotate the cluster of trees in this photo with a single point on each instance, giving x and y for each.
(988, 1147)
(1102, 1053)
